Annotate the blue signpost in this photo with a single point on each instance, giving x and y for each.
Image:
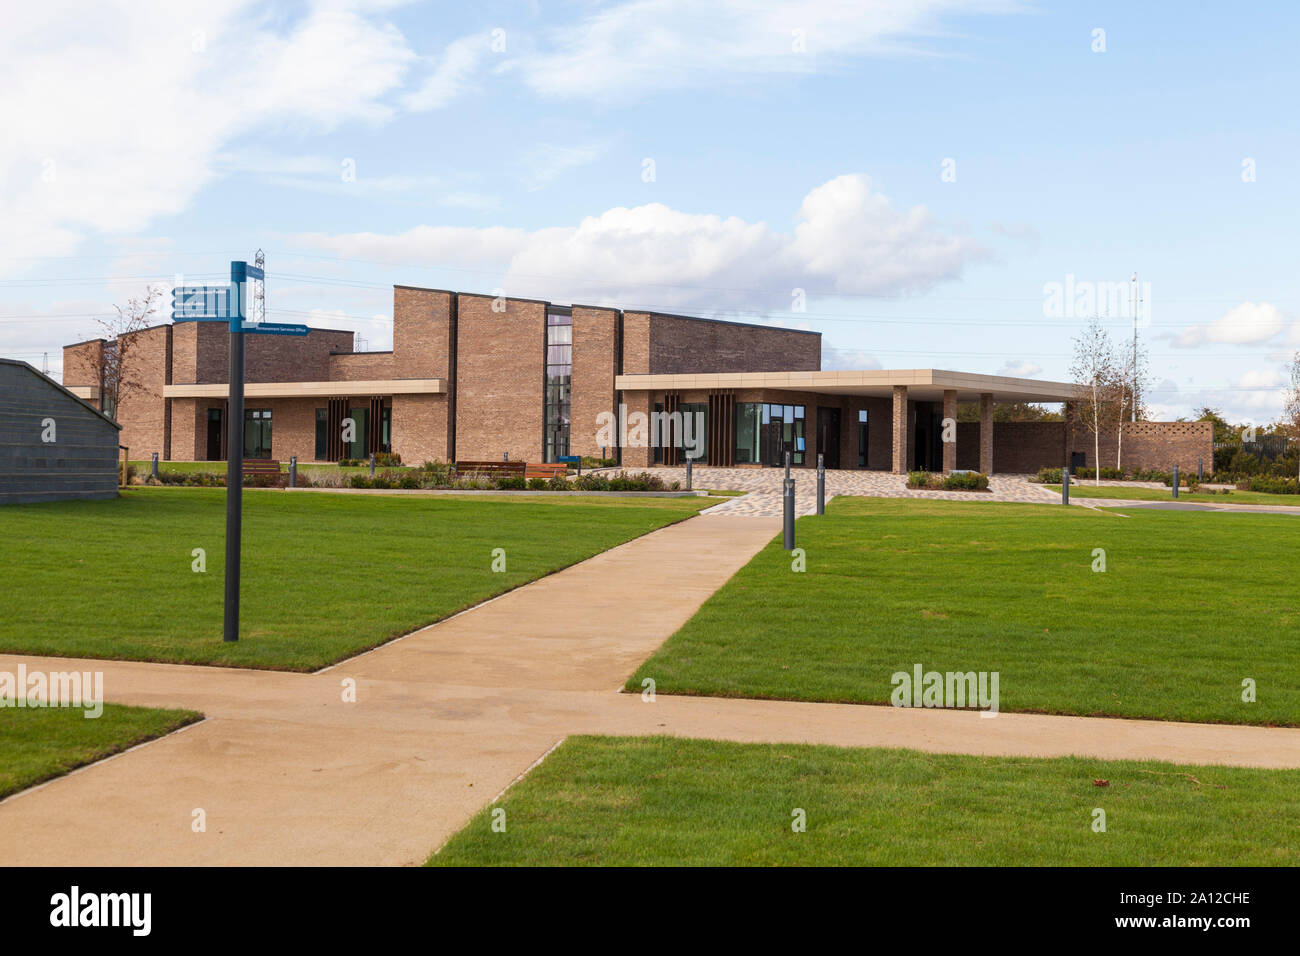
(227, 304)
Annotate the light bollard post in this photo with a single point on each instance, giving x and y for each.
(787, 466)
(1065, 485)
(689, 463)
(155, 466)
(821, 484)
(1175, 481)
(293, 471)
(788, 501)
(372, 464)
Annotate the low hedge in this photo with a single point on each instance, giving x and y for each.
(1270, 485)
(958, 481)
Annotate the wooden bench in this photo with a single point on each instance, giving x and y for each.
(262, 467)
(492, 469)
(538, 470)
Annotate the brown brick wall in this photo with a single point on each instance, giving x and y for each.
(1152, 446)
(81, 364)
(643, 402)
(684, 345)
(636, 343)
(361, 367)
(499, 379)
(420, 428)
(422, 332)
(593, 376)
(190, 429)
(143, 412)
(202, 354)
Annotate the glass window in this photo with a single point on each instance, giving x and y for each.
(694, 435)
(862, 438)
(360, 419)
(322, 425)
(749, 420)
(257, 433)
(386, 440)
(559, 375)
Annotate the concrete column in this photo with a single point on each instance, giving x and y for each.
(986, 433)
(900, 429)
(949, 413)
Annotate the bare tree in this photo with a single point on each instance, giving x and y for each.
(118, 379)
(1094, 371)
(1291, 411)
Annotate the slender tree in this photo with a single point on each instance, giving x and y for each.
(1095, 373)
(118, 378)
(1291, 411)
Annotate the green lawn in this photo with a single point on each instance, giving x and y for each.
(1158, 494)
(37, 744)
(324, 575)
(665, 802)
(1191, 604)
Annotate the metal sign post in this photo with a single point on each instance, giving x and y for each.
(227, 304)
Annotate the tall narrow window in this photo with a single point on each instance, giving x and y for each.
(862, 438)
(559, 375)
(361, 423)
(322, 429)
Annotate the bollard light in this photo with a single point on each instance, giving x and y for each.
(821, 484)
(788, 501)
(1065, 485)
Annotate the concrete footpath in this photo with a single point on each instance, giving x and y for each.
(286, 772)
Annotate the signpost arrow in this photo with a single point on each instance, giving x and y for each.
(200, 302)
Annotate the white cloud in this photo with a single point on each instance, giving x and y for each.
(650, 45)
(1247, 324)
(113, 113)
(546, 162)
(1255, 396)
(450, 75)
(846, 239)
(1020, 369)
(844, 359)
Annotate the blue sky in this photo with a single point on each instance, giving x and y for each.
(793, 146)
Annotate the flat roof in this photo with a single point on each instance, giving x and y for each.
(389, 386)
(924, 384)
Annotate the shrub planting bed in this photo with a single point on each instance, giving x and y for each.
(957, 481)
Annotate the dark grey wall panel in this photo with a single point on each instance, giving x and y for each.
(82, 460)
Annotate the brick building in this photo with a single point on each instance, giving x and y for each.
(472, 377)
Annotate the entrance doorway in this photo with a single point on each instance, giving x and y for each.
(928, 454)
(216, 447)
(828, 436)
